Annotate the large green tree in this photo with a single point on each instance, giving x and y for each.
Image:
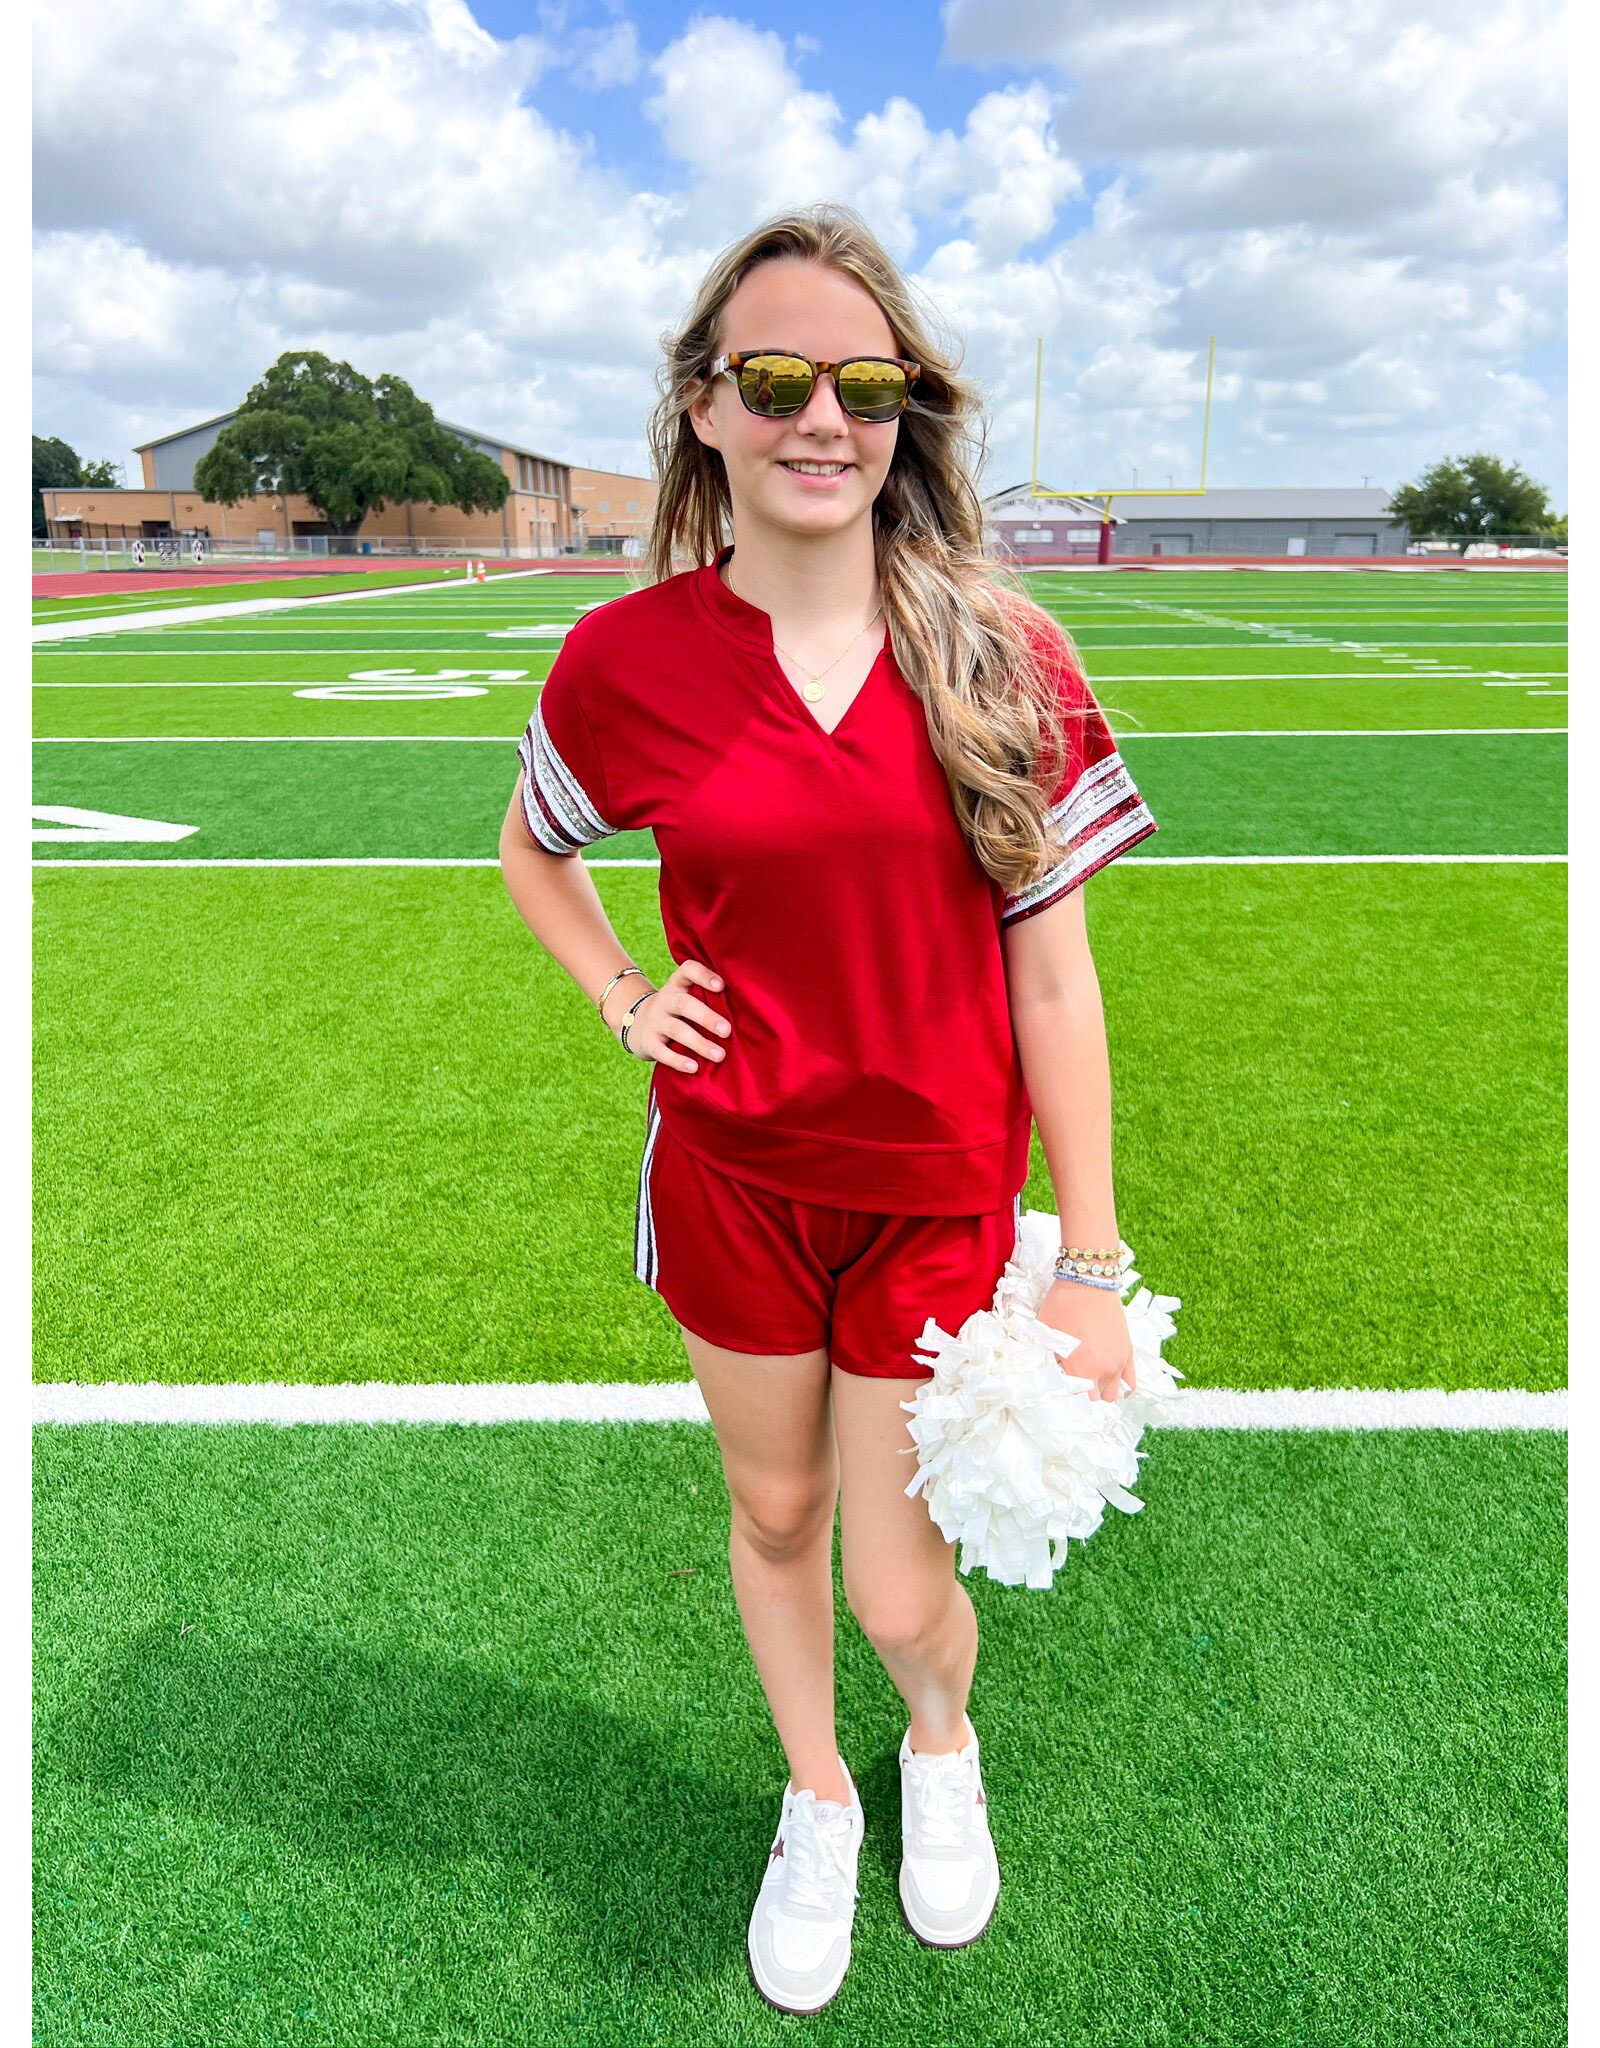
(56, 467)
(1473, 497)
(320, 430)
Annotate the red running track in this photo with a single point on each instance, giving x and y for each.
(117, 582)
(92, 583)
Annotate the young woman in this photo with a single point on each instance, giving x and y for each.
(876, 779)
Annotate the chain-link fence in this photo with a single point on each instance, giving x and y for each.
(1481, 550)
(303, 553)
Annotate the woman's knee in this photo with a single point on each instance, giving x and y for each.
(781, 1518)
(895, 1616)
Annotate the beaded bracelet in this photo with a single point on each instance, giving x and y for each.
(1091, 1268)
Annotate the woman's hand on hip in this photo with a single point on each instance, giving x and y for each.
(1096, 1317)
(668, 1016)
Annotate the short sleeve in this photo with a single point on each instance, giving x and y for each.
(1096, 811)
(564, 800)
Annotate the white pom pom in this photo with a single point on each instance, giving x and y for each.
(1014, 1454)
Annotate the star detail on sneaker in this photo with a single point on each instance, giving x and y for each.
(800, 1925)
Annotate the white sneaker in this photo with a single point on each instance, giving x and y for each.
(949, 1873)
(799, 1939)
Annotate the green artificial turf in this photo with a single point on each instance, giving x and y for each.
(356, 1734)
(344, 1124)
(1101, 645)
(1477, 793)
(1193, 703)
(450, 1736)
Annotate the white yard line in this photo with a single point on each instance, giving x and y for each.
(1355, 650)
(1477, 676)
(1340, 860)
(88, 629)
(293, 683)
(1339, 732)
(1322, 642)
(1196, 566)
(370, 1401)
(363, 860)
(491, 739)
(1156, 860)
(1444, 673)
(533, 630)
(1390, 615)
(315, 739)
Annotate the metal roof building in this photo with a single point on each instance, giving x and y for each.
(1264, 522)
(1022, 523)
(169, 460)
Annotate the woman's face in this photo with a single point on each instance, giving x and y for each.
(793, 304)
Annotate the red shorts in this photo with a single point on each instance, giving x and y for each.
(755, 1271)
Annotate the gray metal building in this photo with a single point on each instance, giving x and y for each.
(169, 462)
(1021, 524)
(1266, 522)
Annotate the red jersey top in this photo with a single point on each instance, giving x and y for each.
(872, 1063)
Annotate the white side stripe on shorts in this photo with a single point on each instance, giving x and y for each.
(645, 1262)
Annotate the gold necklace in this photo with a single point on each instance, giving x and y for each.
(815, 690)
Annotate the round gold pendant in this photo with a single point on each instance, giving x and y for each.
(814, 692)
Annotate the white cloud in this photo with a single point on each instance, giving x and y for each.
(1015, 179)
(776, 142)
(599, 58)
(368, 148)
(1366, 210)
(1362, 202)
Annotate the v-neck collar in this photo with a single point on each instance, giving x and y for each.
(751, 627)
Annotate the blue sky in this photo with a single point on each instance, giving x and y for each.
(858, 71)
(509, 203)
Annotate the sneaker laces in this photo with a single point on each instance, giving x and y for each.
(818, 1848)
(942, 1791)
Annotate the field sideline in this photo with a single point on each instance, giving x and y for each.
(348, 1733)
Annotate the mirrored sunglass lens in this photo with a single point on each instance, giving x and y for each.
(775, 384)
(872, 391)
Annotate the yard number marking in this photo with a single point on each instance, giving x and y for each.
(409, 686)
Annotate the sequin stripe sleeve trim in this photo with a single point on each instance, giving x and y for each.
(1101, 816)
(557, 808)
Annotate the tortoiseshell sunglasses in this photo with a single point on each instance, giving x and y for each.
(774, 383)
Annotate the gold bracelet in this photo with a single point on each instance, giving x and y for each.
(600, 1000)
(1071, 1263)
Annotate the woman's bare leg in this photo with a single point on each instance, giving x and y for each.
(774, 1428)
(899, 1573)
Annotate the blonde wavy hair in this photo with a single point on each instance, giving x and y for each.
(968, 640)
